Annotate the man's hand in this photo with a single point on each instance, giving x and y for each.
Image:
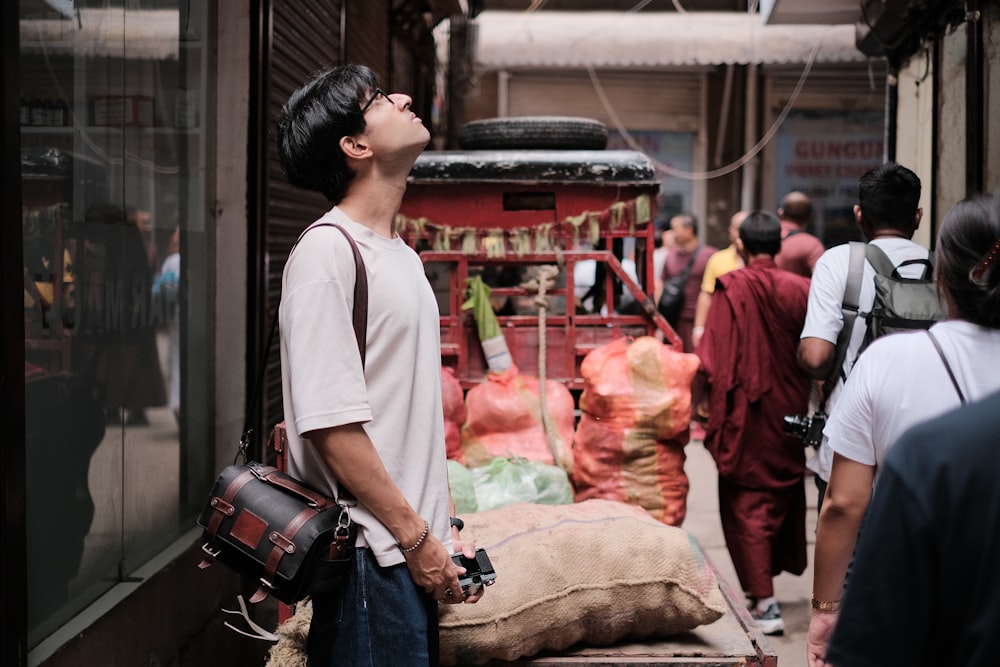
(820, 629)
(468, 549)
(432, 568)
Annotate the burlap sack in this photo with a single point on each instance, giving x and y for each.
(595, 572)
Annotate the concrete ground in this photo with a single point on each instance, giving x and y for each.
(703, 522)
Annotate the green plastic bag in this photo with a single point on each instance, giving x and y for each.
(463, 488)
(509, 481)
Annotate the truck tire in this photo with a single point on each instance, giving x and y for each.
(530, 132)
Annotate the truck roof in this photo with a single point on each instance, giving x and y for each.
(594, 167)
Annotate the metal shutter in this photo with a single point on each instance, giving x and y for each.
(366, 41)
(830, 86)
(304, 36)
(642, 100)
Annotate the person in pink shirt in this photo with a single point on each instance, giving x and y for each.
(799, 248)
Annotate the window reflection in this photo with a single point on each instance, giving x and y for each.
(112, 157)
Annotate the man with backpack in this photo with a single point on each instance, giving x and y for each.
(841, 321)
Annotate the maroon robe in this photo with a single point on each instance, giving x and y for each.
(748, 356)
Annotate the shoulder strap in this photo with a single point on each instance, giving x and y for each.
(850, 308)
(878, 259)
(947, 367)
(360, 321)
(885, 267)
(687, 268)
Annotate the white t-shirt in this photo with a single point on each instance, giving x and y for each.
(825, 318)
(398, 395)
(901, 381)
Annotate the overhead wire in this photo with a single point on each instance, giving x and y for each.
(721, 171)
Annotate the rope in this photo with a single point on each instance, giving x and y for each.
(546, 275)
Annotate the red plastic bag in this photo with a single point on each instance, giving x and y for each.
(629, 444)
(454, 412)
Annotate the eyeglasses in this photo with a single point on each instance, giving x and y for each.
(378, 91)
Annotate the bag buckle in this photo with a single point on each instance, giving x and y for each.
(210, 552)
(343, 532)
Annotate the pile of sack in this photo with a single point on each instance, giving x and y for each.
(628, 444)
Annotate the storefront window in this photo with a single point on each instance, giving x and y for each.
(115, 305)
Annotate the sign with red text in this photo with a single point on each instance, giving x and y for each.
(823, 153)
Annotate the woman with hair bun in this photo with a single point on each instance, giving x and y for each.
(902, 380)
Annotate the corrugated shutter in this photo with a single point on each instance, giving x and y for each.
(642, 100)
(830, 87)
(305, 37)
(367, 39)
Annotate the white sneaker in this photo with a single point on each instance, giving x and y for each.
(769, 621)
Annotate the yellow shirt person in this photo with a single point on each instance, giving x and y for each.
(720, 263)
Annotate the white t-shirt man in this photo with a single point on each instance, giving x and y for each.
(901, 381)
(397, 396)
(825, 318)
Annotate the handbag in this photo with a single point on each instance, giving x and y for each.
(272, 528)
(671, 301)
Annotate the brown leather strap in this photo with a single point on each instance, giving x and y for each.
(223, 505)
(267, 474)
(284, 543)
(359, 320)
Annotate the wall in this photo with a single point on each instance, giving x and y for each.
(914, 130)
(950, 143)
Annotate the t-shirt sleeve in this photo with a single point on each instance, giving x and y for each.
(711, 273)
(824, 316)
(850, 429)
(886, 616)
(326, 381)
(816, 250)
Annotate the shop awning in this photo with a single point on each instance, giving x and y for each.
(109, 32)
(511, 40)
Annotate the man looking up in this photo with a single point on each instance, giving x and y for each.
(799, 249)
(374, 426)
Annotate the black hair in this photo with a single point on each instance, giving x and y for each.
(314, 120)
(889, 196)
(968, 254)
(760, 233)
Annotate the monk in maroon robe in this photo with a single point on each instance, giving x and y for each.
(750, 382)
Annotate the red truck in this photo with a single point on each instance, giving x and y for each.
(507, 206)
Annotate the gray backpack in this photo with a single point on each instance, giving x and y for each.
(901, 304)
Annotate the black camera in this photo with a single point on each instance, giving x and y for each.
(808, 428)
(478, 572)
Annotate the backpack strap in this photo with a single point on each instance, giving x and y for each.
(850, 308)
(884, 266)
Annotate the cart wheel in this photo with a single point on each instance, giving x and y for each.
(528, 132)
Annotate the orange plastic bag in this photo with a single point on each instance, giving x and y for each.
(629, 444)
(504, 419)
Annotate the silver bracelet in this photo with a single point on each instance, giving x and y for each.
(416, 545)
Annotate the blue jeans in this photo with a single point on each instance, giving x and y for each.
(381, 618)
